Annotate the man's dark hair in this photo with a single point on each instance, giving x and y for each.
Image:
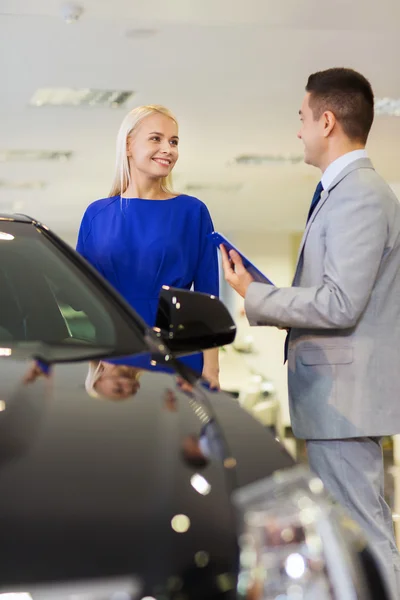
(348, 95)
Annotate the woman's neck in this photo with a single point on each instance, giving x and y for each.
(149, 189)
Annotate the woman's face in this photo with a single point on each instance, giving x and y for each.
(152, 148)
(117, 382)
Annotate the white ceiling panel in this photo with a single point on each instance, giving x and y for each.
(233, 73)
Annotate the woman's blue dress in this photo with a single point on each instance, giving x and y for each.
(139, 245)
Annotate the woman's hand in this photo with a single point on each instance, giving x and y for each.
(212, 376)
(35, 370)
(211, 367)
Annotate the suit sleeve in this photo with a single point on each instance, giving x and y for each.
(206, 278)
(356, 235)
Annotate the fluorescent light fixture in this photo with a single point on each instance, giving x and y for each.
(387, 107)
(5, 237)
(22, 185)
(5, 352)
(140, 34)
(80, 97)
(34, 155)
(16, 596)
(268, 159)
(213, 187)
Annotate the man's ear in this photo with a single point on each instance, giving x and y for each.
(329, 122)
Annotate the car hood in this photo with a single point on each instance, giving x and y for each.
(93, 487)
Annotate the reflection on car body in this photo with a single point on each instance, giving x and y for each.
(119, 468)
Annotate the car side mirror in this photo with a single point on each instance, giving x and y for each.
(192, 321)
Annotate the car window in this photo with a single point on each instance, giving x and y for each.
(45, 297)
(77, 322)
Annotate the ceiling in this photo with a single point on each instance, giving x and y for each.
(233, 72)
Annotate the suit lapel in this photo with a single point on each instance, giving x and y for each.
(362, 163)
(324, 198)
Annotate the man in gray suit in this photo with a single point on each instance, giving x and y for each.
(343, 309)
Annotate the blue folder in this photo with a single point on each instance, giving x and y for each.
(218, 239)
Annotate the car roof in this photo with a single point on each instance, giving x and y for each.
(16, 218)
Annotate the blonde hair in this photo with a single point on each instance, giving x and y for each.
(122, 176)
(95, 372)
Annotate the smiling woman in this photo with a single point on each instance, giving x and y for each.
(148, 133)
(144, 235)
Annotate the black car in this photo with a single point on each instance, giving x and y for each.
(122, 475)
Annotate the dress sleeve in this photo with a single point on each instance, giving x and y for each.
(207, 274)
(84, 230)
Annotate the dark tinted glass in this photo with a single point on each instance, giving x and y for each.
(45, 297)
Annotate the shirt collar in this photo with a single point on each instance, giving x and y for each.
(339, 164)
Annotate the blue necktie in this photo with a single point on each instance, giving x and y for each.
(315, 199)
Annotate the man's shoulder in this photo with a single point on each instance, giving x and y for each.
(364, 180)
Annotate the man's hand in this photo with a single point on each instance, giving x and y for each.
(235, 274)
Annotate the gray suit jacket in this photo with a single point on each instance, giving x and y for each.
(344, 311)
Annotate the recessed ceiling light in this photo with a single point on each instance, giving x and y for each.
(44, 97)
(387, 106)
(268, 159)
(22, 185)
(71, 12)
(33, 155)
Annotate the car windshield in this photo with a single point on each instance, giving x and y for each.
(48, 302)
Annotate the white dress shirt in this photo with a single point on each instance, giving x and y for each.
(339, 164)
